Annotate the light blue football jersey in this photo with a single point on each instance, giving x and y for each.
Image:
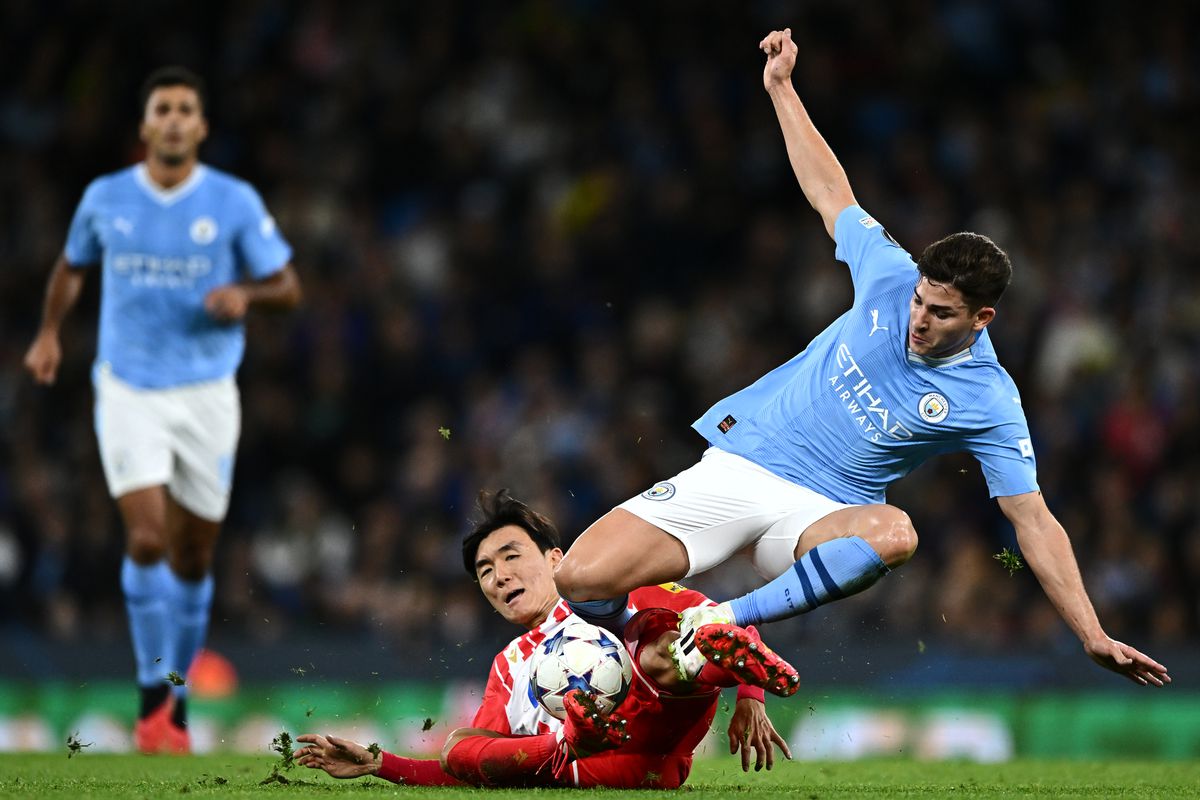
(161, 252)
(856, 410)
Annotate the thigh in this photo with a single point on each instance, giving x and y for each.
(788, 539)
(618, 553)
(191, 541)
(133, 436)
(204, 435)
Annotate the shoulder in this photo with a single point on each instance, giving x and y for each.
(110, 182)
(230, 187)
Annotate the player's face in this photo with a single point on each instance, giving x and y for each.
(516, 577)
(173, 125)
(940, 323)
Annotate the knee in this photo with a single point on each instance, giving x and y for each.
(191, 561)
(892, 535)
(145, 543)
(456, 736)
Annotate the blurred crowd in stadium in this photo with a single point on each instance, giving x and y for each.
(539, 239)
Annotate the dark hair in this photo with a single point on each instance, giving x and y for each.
(173, 76)
(499, 510)
(971, 263)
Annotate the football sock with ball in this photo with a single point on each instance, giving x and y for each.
(190, 604)
(830, 571)
(146, 590)
(608, 614)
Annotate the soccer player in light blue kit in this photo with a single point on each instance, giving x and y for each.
(799, 462)
(185, 250)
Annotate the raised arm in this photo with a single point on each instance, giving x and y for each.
(817, 169)
(62, 291)
(1046, 547)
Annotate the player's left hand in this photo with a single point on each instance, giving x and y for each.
(750, 727)
(1125, 660)
(227, 303)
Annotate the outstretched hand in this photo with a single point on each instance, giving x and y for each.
(1128, 661)
(341, 758)
(751, 728)
(781, 58)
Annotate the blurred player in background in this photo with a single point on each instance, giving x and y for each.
(799, 462)
(512, 553)
(185, 252)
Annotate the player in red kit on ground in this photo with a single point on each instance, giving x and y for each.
(648, 741)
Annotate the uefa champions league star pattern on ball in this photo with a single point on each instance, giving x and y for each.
(580, 656)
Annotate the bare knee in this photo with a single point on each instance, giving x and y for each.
(891, 533)
(145, 543)
(192, 560)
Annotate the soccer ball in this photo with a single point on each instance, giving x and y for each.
(580, 656)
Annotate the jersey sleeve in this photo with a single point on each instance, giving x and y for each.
(493, 711)
(870, 251)
(262, 251)
(83, 246)
(1003, 446)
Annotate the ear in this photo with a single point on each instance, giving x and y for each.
(203, 129)
(982, 317)
(554, 556)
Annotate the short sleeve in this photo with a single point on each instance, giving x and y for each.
(1005, 449)
(493, 711)
(83, 247)
(869, 250)
(262, 250)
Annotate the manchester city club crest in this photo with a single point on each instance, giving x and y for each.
(203, 230)
(660, 491)
(933, 408)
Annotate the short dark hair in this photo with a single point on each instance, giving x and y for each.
(173, 76)
(971, 263)
(499, 510)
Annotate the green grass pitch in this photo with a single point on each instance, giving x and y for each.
(108, 776)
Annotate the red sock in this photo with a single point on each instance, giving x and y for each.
(414, 771)
(503, 761)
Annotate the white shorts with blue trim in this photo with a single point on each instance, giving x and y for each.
(726, 505)
(184, 438)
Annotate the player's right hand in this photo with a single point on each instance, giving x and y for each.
(340, 758)
(781, 58)
(43, 357)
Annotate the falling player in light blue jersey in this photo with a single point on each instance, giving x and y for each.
(799, 461)
(184, 252)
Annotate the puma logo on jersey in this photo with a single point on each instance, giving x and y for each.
(875, 326)
(123, 225)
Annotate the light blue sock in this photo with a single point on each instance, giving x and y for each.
(146, 591)
(190, 605)
(608, 614)
(830, 571)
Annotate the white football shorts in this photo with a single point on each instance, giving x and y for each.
(184, 438)
(726, 505)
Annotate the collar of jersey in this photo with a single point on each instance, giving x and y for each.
(937, 363)
(169, 197)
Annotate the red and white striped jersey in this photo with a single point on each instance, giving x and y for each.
(509, 708)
